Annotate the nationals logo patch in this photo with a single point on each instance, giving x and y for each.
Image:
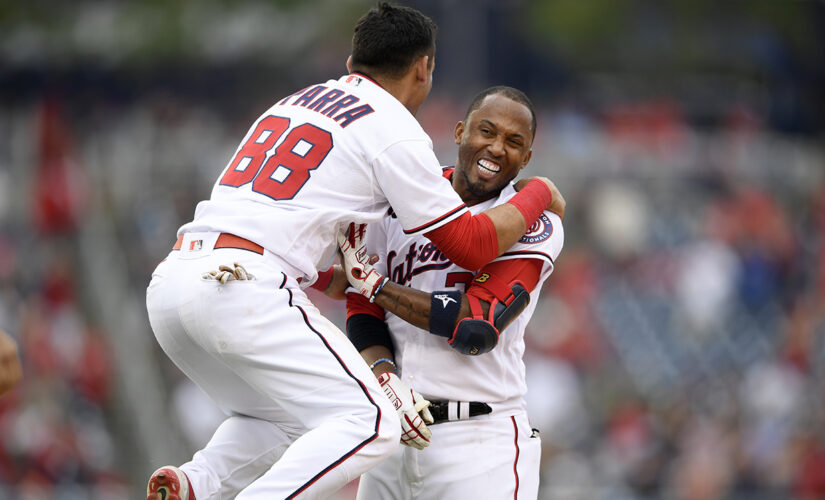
(539, 231)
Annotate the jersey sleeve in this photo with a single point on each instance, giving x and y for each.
(543, 241)
(411, 178)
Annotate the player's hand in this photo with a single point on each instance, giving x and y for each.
(337, 288)
(226, 273)
(412, 410)
(357, 264)
(10, 370)
(558, 204)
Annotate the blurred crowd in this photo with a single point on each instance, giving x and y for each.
(57, 429)
(679, 350)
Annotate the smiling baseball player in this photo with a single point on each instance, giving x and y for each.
(453, 337)
(305, 415)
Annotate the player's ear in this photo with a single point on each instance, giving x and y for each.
(421, 66)
(526, 159)
(349, 64)
(459, 132)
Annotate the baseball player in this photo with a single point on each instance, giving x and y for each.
(300, 400)
(452, 336)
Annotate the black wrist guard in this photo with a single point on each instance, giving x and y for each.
(444, 307)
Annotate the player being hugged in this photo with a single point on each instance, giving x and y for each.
(451, 338)
(304, 413)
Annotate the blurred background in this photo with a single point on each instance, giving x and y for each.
(678, 351)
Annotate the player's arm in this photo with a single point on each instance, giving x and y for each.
(472, 321)
(332, 282)
(471, 241)
(369, 334)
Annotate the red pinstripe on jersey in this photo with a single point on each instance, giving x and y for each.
(515, 462)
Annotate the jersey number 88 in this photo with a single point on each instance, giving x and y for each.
(284, 173)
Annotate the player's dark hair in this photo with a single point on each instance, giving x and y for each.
(508, 92)
(389, 38)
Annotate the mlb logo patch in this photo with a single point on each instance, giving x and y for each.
(539, 231)
(195, 245)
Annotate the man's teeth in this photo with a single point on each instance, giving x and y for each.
(488, 166)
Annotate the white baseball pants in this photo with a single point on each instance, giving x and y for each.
(306, 414)
(493, 458)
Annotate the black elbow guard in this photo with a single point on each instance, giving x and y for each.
(504, 312)
(477, 335)
(474, 336)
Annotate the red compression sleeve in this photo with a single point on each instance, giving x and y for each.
(532, 200)
(525, 271)
(358, 304)
(324, 277)
(469, 241)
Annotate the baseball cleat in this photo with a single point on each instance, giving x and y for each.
(168, 483)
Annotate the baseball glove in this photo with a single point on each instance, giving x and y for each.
(226, 273)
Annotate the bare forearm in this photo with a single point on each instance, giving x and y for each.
(414, 306)
(509, 223)
(373, 353)
(338, 285)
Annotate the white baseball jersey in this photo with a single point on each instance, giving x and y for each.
(330, 154)
(426, 362)
(490, 456)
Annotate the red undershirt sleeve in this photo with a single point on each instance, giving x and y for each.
(324, 277)
(452, 239)
(525, 271)
(358, 304)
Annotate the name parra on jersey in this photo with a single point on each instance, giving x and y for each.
(330, 154)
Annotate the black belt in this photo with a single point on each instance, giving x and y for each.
(461, 410)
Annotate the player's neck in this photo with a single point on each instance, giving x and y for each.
(407, 89)
(404, 92)
(466, 194)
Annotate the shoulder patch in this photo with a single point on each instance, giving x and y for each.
(539, 231)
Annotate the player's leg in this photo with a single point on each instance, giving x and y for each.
(311, 380)
(528, 467)
(242, 448)
(324, 383)
(481, 458)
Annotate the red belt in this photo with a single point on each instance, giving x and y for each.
(226, 240)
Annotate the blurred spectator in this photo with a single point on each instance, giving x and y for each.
(10, 370)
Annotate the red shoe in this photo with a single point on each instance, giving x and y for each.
(168, 483)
